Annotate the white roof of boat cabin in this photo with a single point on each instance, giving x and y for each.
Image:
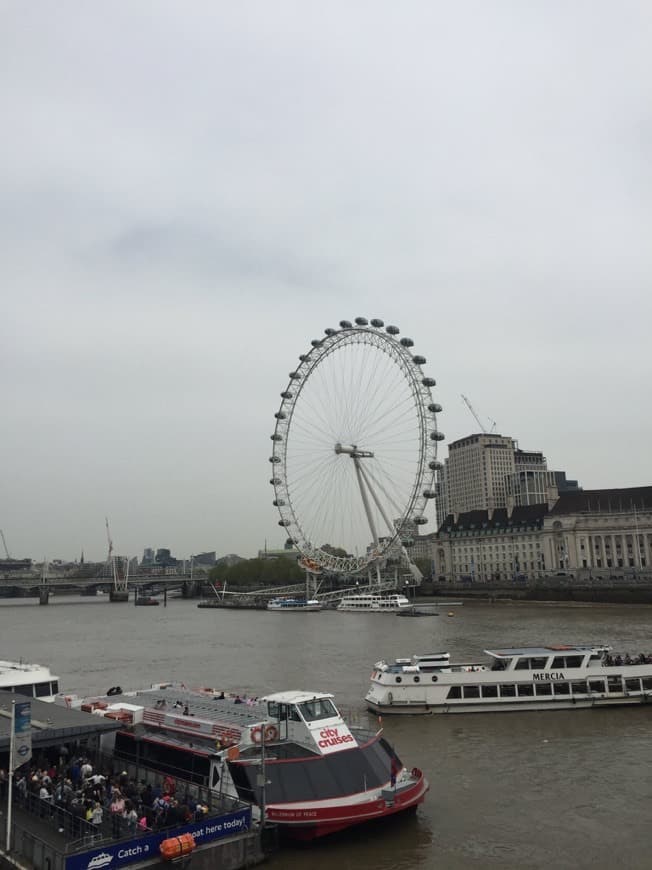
(545, 650)
(295, 697)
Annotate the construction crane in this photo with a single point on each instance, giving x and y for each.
(477, 419)
(4, 543)
(108, 537)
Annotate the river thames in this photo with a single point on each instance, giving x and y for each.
(557, 789)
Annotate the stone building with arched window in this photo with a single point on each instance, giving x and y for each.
(605, 533)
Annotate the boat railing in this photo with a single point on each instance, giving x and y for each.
(358, 720)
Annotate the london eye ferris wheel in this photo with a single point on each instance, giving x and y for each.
(355, 447)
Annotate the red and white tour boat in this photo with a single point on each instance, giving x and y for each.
(320, 775)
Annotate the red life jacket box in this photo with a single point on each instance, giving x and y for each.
(177, 847)
(120, 716)
(94, 705)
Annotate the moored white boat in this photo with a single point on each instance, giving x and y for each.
(294, 604)
(374, 603)
(522, 678)
(321, 775)
(35, 681)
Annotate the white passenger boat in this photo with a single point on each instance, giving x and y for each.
(294, 604)
(35, 681)
(522, 678)
(320, 773)
(374, 603)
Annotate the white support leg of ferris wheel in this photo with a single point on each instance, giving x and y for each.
(412, 568)
(365, 500)
(356, 455)
(391, 528)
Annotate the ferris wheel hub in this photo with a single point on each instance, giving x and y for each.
(353, 451)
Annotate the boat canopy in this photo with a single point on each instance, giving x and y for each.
(509, 652)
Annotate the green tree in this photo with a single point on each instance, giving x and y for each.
(257, 573)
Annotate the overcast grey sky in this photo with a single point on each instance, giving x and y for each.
(190, 192)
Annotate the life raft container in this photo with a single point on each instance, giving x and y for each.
(270, 732)
(177, 847)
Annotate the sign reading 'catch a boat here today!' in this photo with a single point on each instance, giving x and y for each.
(147, 847)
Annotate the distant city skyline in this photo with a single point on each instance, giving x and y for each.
(187, 199)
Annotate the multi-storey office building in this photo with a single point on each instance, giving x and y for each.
(474, 474)
(490, 471)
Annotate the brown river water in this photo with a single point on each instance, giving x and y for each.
(564, 789)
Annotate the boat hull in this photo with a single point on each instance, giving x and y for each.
(421, 709)
(320, 818)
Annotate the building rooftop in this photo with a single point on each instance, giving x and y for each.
(604, 501)
(51, 723)
(524, 515)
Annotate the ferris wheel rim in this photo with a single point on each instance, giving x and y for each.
(411, 366)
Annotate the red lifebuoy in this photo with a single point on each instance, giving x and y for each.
(256, 734)
(271, 733)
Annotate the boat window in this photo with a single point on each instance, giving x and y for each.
(647, 682)
(329, 776)
(24, 690)
(633, 685)
(574, 661)
(507, 691)
(525, 690)
(561, 688)
(42, 690)
(490, 691)
(293, 714)
(544, 688)
(55, 688)
(579, 688)
(454, 692)
(615, 684)
(596, 685)
(318, 708)
(273, 710)
(321, 779)
(523, 665)
(471, 691)
(169, 759)
(539, 663)
(559, 662)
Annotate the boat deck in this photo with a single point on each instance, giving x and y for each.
(174, 699)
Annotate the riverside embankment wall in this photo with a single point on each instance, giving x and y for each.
(594, 594)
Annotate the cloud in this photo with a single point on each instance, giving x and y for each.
(188, 198)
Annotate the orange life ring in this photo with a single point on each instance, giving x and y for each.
(256, 734)
(271, 733)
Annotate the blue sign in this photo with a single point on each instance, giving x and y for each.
(22, 735)
(147, 846)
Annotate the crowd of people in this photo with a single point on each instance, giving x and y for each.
(82, 799)
(618, 660)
